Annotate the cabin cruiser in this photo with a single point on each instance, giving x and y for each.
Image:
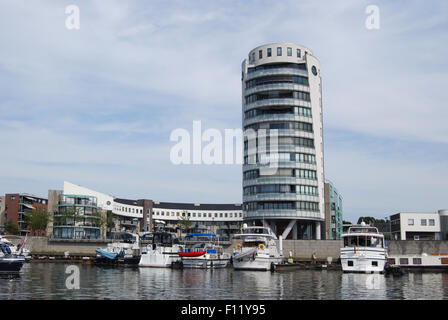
(161, 251)
(420, 262)
(256, 249)
(363, 250)
(126, 252)
(204, 253)
(10, 262)
(17, 250)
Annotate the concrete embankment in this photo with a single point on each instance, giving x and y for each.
(300, 249)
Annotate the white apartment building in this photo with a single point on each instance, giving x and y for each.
(419, 225)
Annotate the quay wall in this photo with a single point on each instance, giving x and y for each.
(301, 249)
(417, 246)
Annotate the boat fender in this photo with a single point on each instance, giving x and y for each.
(238, 246)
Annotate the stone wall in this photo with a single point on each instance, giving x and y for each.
(301, 249)
(417, 247)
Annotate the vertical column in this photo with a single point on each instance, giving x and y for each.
(294, 231)
(317, 230)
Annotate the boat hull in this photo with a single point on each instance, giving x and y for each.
(11, 265)
(158, 260)
(257, 264)
(131, 261)
(205, 263)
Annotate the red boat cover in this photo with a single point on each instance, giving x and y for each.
(191, 254)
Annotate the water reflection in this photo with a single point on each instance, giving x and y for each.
(47, 281)
(363, 286)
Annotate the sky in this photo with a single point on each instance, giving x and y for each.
(96, 105)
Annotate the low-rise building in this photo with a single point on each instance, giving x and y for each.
(333, 212)
(18, 205)
(419, 225)
(130, 215)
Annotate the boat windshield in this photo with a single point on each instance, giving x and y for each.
(5, 249)
(363, 241)
(256, 230)
(164, 238)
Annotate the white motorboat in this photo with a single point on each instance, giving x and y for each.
(126, 252)
(205, 254)
(363, 250)
(162, 251)
(17, 250)
(256, 249)
(10, 262)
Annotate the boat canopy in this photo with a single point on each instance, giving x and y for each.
(200, 235)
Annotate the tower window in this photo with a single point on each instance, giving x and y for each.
(260, 54)
(298, 53)
(279, 51)
(269, 52)
(289, 52)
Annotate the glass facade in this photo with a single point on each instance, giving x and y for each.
(334, 216)
(78, 217)
(280, 97)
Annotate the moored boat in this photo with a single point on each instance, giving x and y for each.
(126, 252)
(9, 262)
(419, 262)
(162, 251)
(363, 250)
(205, 254)
(256, 249)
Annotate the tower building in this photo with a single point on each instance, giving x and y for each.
(281, 89)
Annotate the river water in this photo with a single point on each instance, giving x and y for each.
(49, 281)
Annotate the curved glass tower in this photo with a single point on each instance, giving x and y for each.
(281, 88)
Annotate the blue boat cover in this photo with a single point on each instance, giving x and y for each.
(199, 235)
(106, 254)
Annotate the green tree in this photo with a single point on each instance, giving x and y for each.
(367, 220)
(184, 223)
(37, 219)
(11, 227)
(107, 221)
(346, 222)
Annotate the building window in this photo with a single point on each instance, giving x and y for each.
(13, 198)
(423, 222)
(209, 215)
(289, 52)
(416, 260)
(252, 56)
(260, 54)
(410, 222)
(298, 53)
(216, 215)
(269, 52)
(431, 222)
(404, 261)
(279, 51)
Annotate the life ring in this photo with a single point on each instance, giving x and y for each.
(238, 246)
(261, 246)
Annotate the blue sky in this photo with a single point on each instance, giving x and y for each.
(96, 106)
